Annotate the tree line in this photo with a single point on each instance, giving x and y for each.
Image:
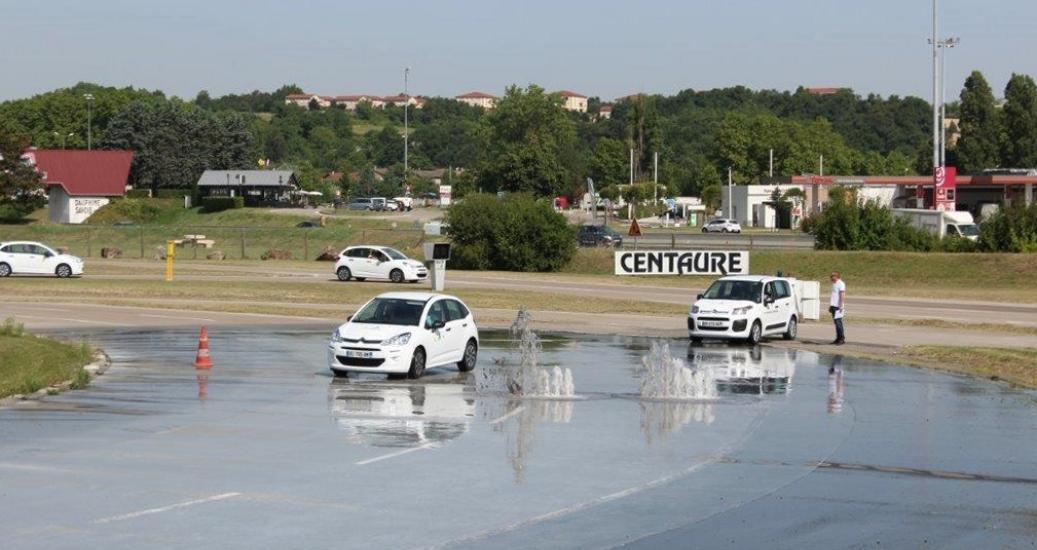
(530, 143)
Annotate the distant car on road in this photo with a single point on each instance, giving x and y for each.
(722, 225)
(378, 262)
(745, 308)
(599, 235)
(406, 203)
(361, 203)
(32, 258)
(405, 333)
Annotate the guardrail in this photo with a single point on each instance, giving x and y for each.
(714, 241)
(201, 241)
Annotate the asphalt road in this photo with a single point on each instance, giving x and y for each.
(268, 451)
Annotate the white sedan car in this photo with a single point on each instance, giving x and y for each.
(31, 258)
(378, 262)
(722, 225)
(745, 308)
(404, 333)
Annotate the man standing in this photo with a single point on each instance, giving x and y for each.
(836, 306)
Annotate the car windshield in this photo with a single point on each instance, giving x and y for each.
(391, 311)
(734, 290)
(394, 254)
(969, 230)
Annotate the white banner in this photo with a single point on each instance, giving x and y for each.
(682, 262)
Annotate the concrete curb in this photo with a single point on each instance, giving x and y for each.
(102, 362)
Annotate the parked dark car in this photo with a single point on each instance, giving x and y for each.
(599, 235)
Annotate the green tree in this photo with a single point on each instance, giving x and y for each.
(711, 197)
(1020, 123)
(20, 185)
(608, 164)
(529, 138)
(979, 145)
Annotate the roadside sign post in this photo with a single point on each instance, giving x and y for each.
(170, 252)
(635, 232)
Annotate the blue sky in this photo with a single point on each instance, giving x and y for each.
(606, 48)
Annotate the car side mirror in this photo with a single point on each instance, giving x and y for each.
(350, 318)
(436, 325)
(699, 297)
(768, 300)
(47, 255)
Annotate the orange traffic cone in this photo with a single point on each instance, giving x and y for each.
(203, 361)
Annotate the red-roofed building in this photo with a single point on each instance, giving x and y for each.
(478, 99)
(79, 182)
(573, 101)
(824, 91)
(604, 112)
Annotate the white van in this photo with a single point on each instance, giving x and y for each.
(745, 307)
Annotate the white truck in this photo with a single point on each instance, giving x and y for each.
(940, 223)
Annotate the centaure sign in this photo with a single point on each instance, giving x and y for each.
(677, 262)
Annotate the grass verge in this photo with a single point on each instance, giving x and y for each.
(1017, 366)
(29, 363)
(1002, 328)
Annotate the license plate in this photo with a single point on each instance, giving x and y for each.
(711, 323)
(359, 354)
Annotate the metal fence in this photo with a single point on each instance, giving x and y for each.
(201, 241)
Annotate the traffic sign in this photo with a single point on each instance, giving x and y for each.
(635, 230)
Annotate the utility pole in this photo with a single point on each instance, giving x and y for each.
(406, 125)
(655, 176)
(821, 166)
(89, 120)
(770, 169)
(730, 197)
(631, 166)
(944, 45)
(936, 89)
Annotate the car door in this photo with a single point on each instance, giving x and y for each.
(358, 263)
(381, 264)
(456, 329)
(786, 302)
(30, 259)
(439, 344)
(48, 258)
(772, 320)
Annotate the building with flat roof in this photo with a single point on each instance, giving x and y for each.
(258, 187)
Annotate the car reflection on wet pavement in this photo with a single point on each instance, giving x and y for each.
(267, 450)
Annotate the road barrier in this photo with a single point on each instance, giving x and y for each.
(721, 241)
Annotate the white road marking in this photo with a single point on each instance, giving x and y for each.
(69, 320)
(394, 455)
(175, 317)
(500, 419)
(151, 511)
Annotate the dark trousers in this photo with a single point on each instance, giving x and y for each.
(840, 333)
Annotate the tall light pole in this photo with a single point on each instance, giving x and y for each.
(64, 137)
(944, 45)
(936, 88)
(89, 120)
(406, 124)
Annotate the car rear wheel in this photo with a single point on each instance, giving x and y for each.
(344, 274)
(755, 333)
(791, 330)
(63, 271)
(471, 355)
(5, 270)
(396, 276)
(417, 364)
(704, 230)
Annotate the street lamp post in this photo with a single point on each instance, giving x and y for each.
(406, 124)
(64, 137)
(944, 45)
(89, 120)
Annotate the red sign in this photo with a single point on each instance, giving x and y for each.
(945, 178)
(635, 229)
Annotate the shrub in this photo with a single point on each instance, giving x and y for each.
(848, 224)
(174, 193)
(516, 233)
(219, 204)
(120, 210)
(138, 194)
(1012, 229)
(11, 327)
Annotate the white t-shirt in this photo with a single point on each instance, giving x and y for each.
(837, 287)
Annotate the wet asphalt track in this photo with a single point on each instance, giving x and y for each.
(268, 451)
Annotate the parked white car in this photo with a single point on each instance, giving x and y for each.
(722, 225)
(745, 308)
(378, 262)
(25, 257)
(405, 333)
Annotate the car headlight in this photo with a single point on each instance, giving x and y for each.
(694, 309)
(335, 337)
(398, 340)
(741, 310)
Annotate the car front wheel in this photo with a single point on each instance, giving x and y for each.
(344, 274)
(396, 276)
(755, 333)
(471, 355)
(63, 271)
(417, 364)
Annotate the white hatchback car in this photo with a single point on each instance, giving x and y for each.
(25, 257)
(745, 308)
(722, 225)
(378, 262)
(405, 333)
